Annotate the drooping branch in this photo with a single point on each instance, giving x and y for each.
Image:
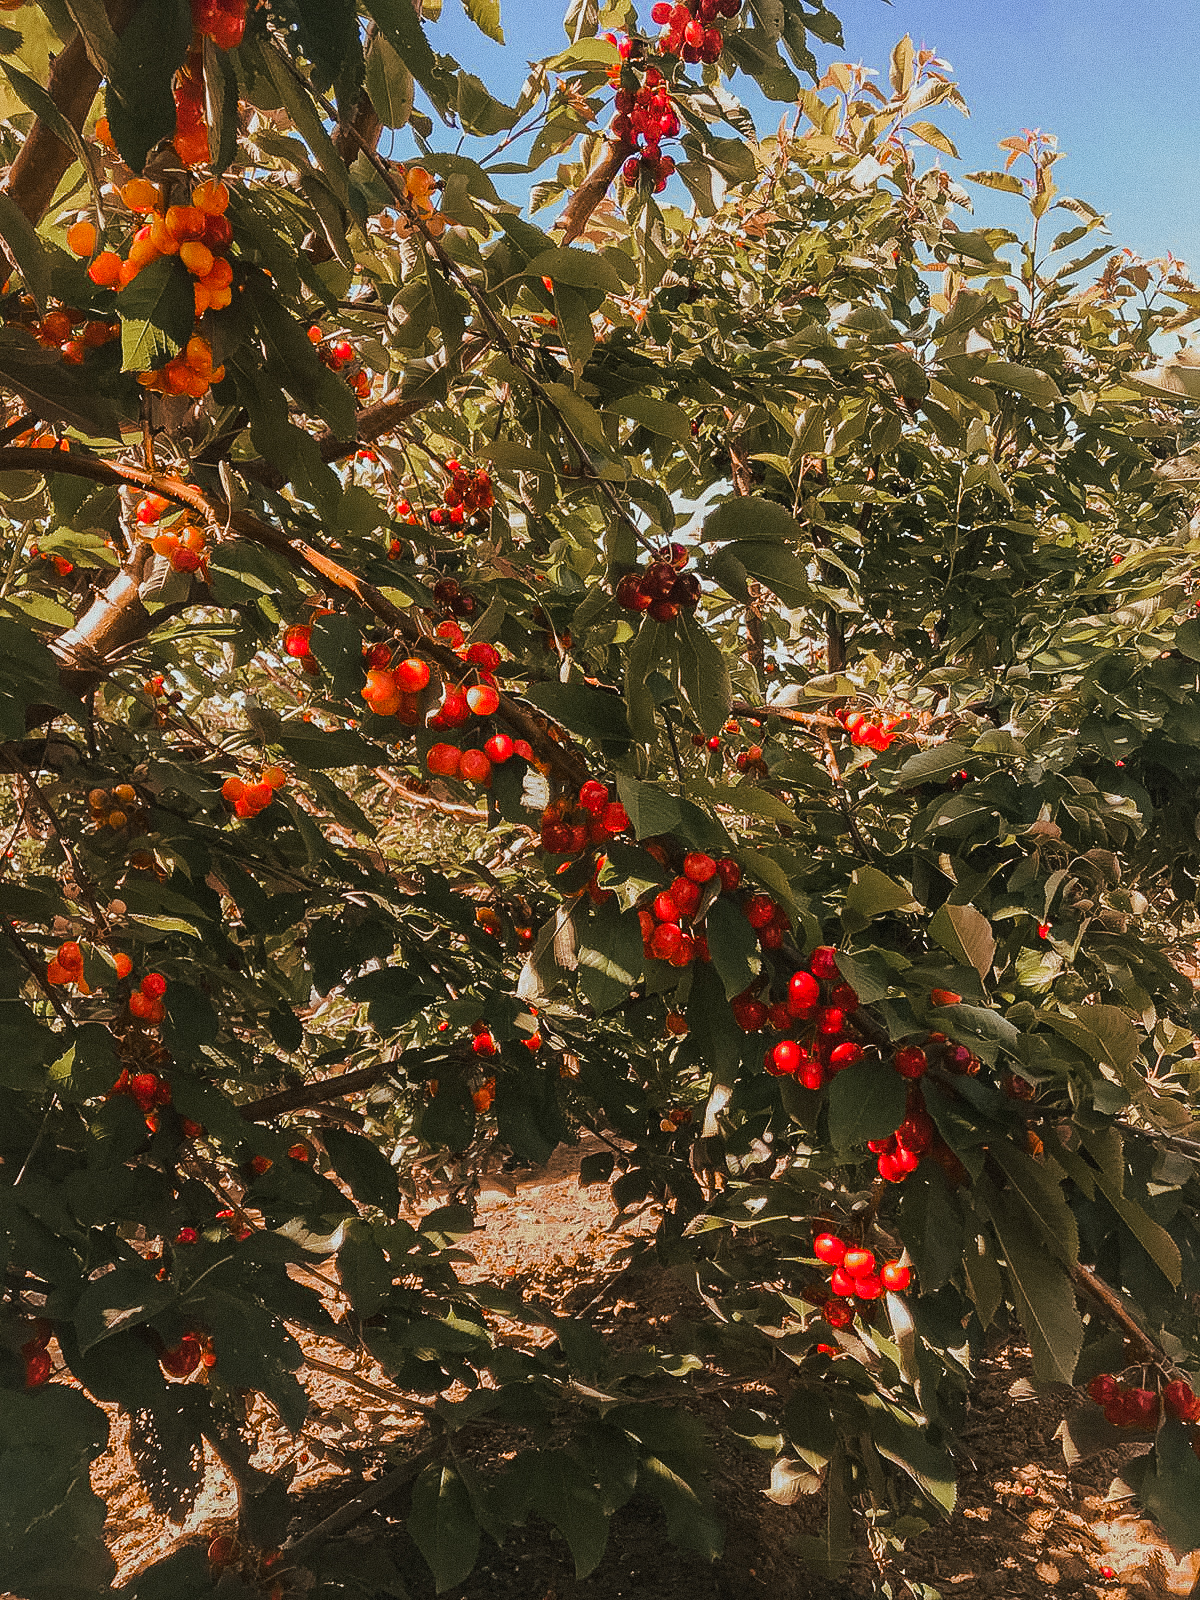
(314, 1094)
(119, 618)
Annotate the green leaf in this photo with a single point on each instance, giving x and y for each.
(934, 765)
(578, 269)
(26, 249)
(1042, 1291)
(1107, 1148)
(139, 101)
(873, 894)
(593, 713)
(659, 416)
(704, 675)
(906, 1442)
(158, 313)
(732, 944)
(485, 14)
(690, 1523)
(1037, 386)
(749, 517)
(1170, 1490)
(367, 1172)
(1007, 182)
(773, 564)
(651, 809)
(51, 390)
(866, 1101)
(443, 1525)
(363, 1269)
(609, 954)
(121, 1299)
(1187, 638)
(965, 934)
(389, 83)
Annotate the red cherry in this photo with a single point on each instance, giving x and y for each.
(665, 941)
(786, 1055)
(760, 910)
(841, 1282)
(803, 992)
(699, 867)
(895, 1276)
(484, 1045)
(728, 870)
(823, 962)
(1181, 1401)
(154, 985)
(827, 1247)
(1102, 1388)
(844, 1055)
(412, 675)
(499, 748)
(858, 1261)
(910, 1061)
(666, 908)
(837, 1314)
(868, 1287)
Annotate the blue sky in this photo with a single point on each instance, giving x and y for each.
(1114, 80)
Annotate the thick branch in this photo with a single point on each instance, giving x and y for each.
(314, 1094)
(593, 189)
(73, 85)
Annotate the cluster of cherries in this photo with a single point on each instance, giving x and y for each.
(900, 1153)
(65, 967)
(419, 187)
(644, 118)
(875, 733)
(857, 1275)
(185, 545)
(663, 588)
(73, 333)
(111, 808)
(1128, 1407)
(36, 1355)
(191, 139)
(391, 690)
(222, 21)
(336, 354)
(249, 798)
(688, 28)
(198, 233)
(449, 595)
(569, 828)
(146, 1089)
(666, 934)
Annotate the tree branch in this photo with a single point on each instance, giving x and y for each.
(314, 1094)
(593, 189)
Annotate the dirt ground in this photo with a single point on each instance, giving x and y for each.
(1025, 1524)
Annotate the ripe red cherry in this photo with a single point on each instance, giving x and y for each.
(483, 699)
(729, 872)
(454, 710)
(831, 1020)
(685, 894)
(910, 1061)
(823, 962)
(844, 1055)
(858, 1262)
(443, 760)
(803, 992)
(841, 1282)
(895, 1276)
(498, 748)
(154, 985)
(475, 767)
(1102, 1388)
(665, 941)
(1143, 1407)
(1181, 1401)
(786, 1055)
(412, 675)
(760, 909)
(593, 797)
(827, 1247)
(666, 907)
(868, 1286)
(750, 1015)
(297, 641)
(484, 1045)
(699, 867)
(38, 1365)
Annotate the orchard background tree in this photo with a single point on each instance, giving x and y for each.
(793, 581)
